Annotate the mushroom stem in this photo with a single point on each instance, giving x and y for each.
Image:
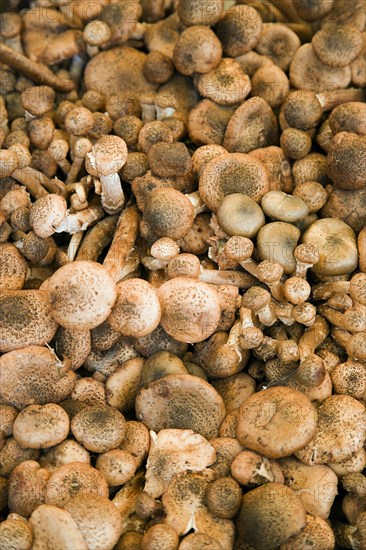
(329, 100)
(33, 70)
(32, 181)
(313, 337)
(286, 7)
(226, 277)
(198, 204)
(113, 197)
(97, 238)
(303, 31)
(79, 221)
(123, 241)
(324, 291)
(74, 245)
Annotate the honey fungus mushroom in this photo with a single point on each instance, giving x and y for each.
(168, 213)
(13, 268)
(41, 426)
(197, 50)
(99, 428)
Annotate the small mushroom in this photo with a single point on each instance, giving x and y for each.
(13, 268)
(46, 213)
(316, 533)
(226, 84)
(40, 426)
(286, 208)
(348, 153)
(116, 466)
(337, 46)
(238, 214)
(99, 428)
(27, 484)
(55, 528)
(277, 241)
(279, 43)
(197, 50)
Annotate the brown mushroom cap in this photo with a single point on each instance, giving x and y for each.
(271, 84)
(226, 84)
(340, 432)
(137, 309)
(348, 117)
(207, 122)
(116, 466)
(99, 428)
(27, 485)
(239, 30)
(350, 379)
(65, 452)
(160, 536)
(13, 268)
(277, 241)
(136, 441)
(37, 100)
(224, 498)
(82, 294)
(181, 401)
(192, 12)
(168, 160)
(346, 161)
(281, 206)
(169, 213)
(190, 309)
(270, 515)
(276, 422)
(199, 541)
(279, 43)
(124, 383)
(46, 214)
(15, 532)
(108, 155)
(316, 534)
(55, 528)
(232, 173)
(75, 345)
(197, 50)
(41, 426)
(337, 46)
(25, 319)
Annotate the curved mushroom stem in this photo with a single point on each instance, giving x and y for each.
(79, 221)
(313, 337)
(329, 100)
(226, 277)
(74, 245)
(251, 336)
(97, 238)
(32, 181)
(113, 198)
(324, 291)
(196, 200)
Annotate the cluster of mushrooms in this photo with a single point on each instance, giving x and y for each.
(182, 275)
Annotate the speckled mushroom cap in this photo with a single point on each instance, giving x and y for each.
(55, 528)
(346, 161)
(15, 532)
(239, 30)
(82, 294)
(46, 213)
(336, 243)
(190, 309)
(97, 518)
(13, 267)
(197, 50)
(279, 43)
(107, 156)
(25, 319)
(34, 375)
(226, 84)
(277, 241)
(270, 515)
(71, 479)
(181, 401)
(137, 309)
(99, 428)
(232, 173)
(41, 426)
(74, 345)
(192, 12)
(169, 213)
(317, 533)
(337, 45)
(276, 422)
(341, 431)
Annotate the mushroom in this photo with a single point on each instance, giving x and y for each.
(64, 453)
(208, 121)
(15, 532)
(238, 214)
(124, 383)
(116, 466)
(239, 30)
(197, 50)
(251, 469)
(337, 46)
(40, 426)
(46, 213)
(13, 269)
(27, 484)
(271, 84)
(226, 84)
(348, 117)
(279, 43)
(160, 536)
(190, 13)
(99, 428)
(13, 454)
(348, 153)
(55, 528)
(158, 67)
(286, 208)
(168, 160)
(224, 498)
(277, 241)
(270, 515)
(168, 213)
(316, 533)
(75, 346)
(136, 441)
(195, 541)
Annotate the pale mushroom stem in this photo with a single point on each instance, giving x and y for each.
(301, 269)
(250, 266)
(196, 200)
(324, 291)
(79, 221)
(313, 337)
(233, 339)
(74, 245)
(32, 181)
(226, 277)
(113, 198)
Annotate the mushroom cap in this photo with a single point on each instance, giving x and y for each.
(27, 484)
(317, 533)
(350, 379)
(199, 541)
(117, 466)
(15, 532)
(286, 208)
(41, 426)
(8, 162)
(74, 345)
(169, 160)
(190, 309)
(337, 246)
(79, 121)
(270, 515)
(137, 309)
(197, 50)
(239, 30)
(251, 469)
(232, 173)
(307, 72)
(46, 213)
(169, 213)
(192, 12)
(181, 401)
(55, 528)
(99, 428)
(97, 518)
(37, 100)
(159, 365)
(26, 319)
(346, 161)
(160, 536)
(158, 67)
(224, 497)
(71, 479)
(253, 125)
(277, 241)
(348, 117)
(207, 122)
(234, 389)
(97, 33)
(226, 84)
(65, 452)
(337, 46)
(108, 155)
(82, 294)
(13, 268)
(279, 43)
(124, 383)
(276, 422)
(238, 214)
(271, 84)
(341, 431)
(136, 441)
(13, 454)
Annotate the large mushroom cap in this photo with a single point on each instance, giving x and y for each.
(276, 422)
(181, 401)
(99, 428)
(82, 294)
(270, 515)
(55, 528)
(41, 426)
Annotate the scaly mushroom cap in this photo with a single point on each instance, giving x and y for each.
(232, 173)
(41, 426)
(137, 309)
(169, 213)
(82, 294)
(337, 46)
(99, 428)
(13, 268)
(341, 431)
(191, 12)
(97, 518)
(15, 533)
(346, 161)
(124, 383)
(197, 50)
(190, 309)
(136, 441)
(276, 422)
(27, 485)
(26, 319)
(270, 515)
(55, 528)
(226, 84)
(181, 401)
(108, 155)
(74, 345)
(316, 534)
(239, 30)
(117, 466)
(279, 43)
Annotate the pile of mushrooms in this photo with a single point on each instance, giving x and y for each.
(182, 275)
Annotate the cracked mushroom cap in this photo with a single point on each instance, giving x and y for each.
(181, 401)
(97, 518)
(82, 294)
(99, 428)
(13, 268)
(190, 309)
(34, 375)
(137, 309)
(108, 156)
(41, 426)
(55, 528)
(341, 431)
(232, 173)
(25, 319)
(270, 515)
(276, 422)
(46, 213)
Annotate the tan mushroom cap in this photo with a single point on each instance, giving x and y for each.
(169, 213)
(97, 518)
(82, 294)
(253, 125)
(207, 122)
(124, 383)
(65, 452)
(8, 162)
(239, 30)
(341, 431)
(337, 246)
(286, 208)
(350, 379)
(136, 441)
(99, 428)
(276, 422)
(55, 528)
(337, 46)
(232, 173)
(349, 117)
(238, 214)
(13, 268)
(307, 72)
(41, 426)
(190, 309)
(13, 454)
(270, 515)
(27, 484)
(346, 161)
(160, 536)
(181, 401)
(317, 533)
(277, 241)
(15, 533)
(226, 84)
(107, 156)
(37, 100)
(116, 466)
(79, 121)
(279, 43)
(197, 50)
(159, 365)
(224, 498)
(234, 389)
(25, 319)
(199, 541)
(252, 469)
(8, 414)
(71, 479)
(137, 309)
(271, 84)
(46, 213)
(74, 345)
(192, 12)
